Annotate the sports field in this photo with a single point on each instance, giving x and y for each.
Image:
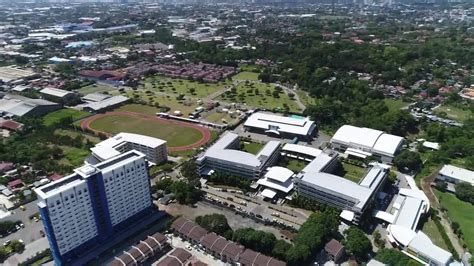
(56, 116)
(180, 136)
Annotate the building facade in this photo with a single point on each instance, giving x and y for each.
(93, 204)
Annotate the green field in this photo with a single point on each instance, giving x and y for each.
(292, 164)
(73, 134)
(138, 108)
(74, 156)
(257, 94)
(185, 106)
(246, 75)
(455, 113)
(460, 212)
(305, 98)
(56, 116)
(394, 105)
(430, 229)
(252, 147)
(175, 135)
(181, 86)
(95, 88)
(353, 172)
(219, 118)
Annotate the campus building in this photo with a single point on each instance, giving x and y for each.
(277, 180)
(454, 174)
(364, 142)
(154, 149)
(225, 157)
(317, 182)
(94, 205)
(282, 126)
(58, 95)
(17, 105)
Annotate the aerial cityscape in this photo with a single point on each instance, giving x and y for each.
(249, 133)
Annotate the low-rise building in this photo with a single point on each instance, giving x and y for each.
(335, 250)
(282, 126)
(154, 149)
(363, 142)
(107, 104)
(16, 105)
(58, 95)
(225, 157)
(454, 174)
(277, 180)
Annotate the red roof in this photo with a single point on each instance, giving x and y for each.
(10, 124)
(55, 177)
(15, 183)
(6, 166)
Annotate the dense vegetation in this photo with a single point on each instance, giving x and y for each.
(216, 223)
(357, 243)
(465, 192)
(394, 257)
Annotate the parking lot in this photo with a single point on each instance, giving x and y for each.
(31, 230)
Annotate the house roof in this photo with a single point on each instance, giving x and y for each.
(458, 173)
(334, 247)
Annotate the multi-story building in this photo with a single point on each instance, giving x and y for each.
(154, 149)
(225, 157)
(317, 182)
(93, 204)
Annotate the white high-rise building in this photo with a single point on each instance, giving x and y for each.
(89, 206)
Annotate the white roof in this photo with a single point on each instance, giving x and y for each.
(422, 244)
(19, 105)
(458, 173)
(268, 193)
(95, 97)
(108, 148)
(220, 151)
(302, 149)
(368, 139)
(96, 106)
(431, 145)
(347, 215)
(292, 125)
(357, 153)
(55, 92)
(410, 213)
(278, 173)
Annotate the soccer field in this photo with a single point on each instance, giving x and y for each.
(174, 134)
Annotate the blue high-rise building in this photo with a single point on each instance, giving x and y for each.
(85, 209)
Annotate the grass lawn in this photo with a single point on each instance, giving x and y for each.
(430, 229)
(394, 105)
(252, 147)
(73, 134)
(56, 116)
(74, 156)
(250, 68)
(246, 75)
(216, 117)
(175, 135)
(95, 88)
(461, 212)
(138, 108)
(352, 172)
(181, 86)
(292, 164)
(305, 98)
(246, 94)
(186, 106)
(454, 112)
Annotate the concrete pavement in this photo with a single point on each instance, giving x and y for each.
(30, 250)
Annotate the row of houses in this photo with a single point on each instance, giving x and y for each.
(219, 247)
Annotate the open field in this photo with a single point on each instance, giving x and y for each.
(353, 172)
(394, 105)
(185, 106)
(56, 116)
(305, 98)
(257, 94)
(252, 147)
(246, 75)
(138, 108)
(181, 86)
(455, 113)
(460, 212)
(74, 156)
(250, 68)
(73, 134)
(216, 117)
(95, 88)
(430, 229)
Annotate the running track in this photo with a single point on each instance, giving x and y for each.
(206, 134)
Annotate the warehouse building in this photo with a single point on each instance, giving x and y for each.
(16, 105)
(9, 74)
(154, 149)
(106, 104)
(281, 126)
(363, 142)
(225, 157)
(58, 95)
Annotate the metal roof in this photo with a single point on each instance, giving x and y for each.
(278, 123)
(458, 173)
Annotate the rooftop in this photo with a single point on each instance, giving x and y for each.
(276, 123)
(458, 173)
(55, 92)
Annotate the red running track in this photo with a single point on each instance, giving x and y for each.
(206, 134)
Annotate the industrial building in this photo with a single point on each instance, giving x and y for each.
(364, 142)
(106, 104)
(94, 204)
(317, 182)
(454, 174)
(282, 126)
(225, 157)
(57, 95)
(16, 105)
(154, 149)
(9, 74)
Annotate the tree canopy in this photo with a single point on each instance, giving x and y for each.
(357, 243)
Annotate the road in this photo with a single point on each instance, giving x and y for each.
(296, 97)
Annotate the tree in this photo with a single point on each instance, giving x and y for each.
(357, 243)
(465, 192)
(3, 253)
(17, 246)
(255, 239)
(392, 257)
(216, 223)
(189, 170)
(280, 249)
(407, 160)
(298, 254)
